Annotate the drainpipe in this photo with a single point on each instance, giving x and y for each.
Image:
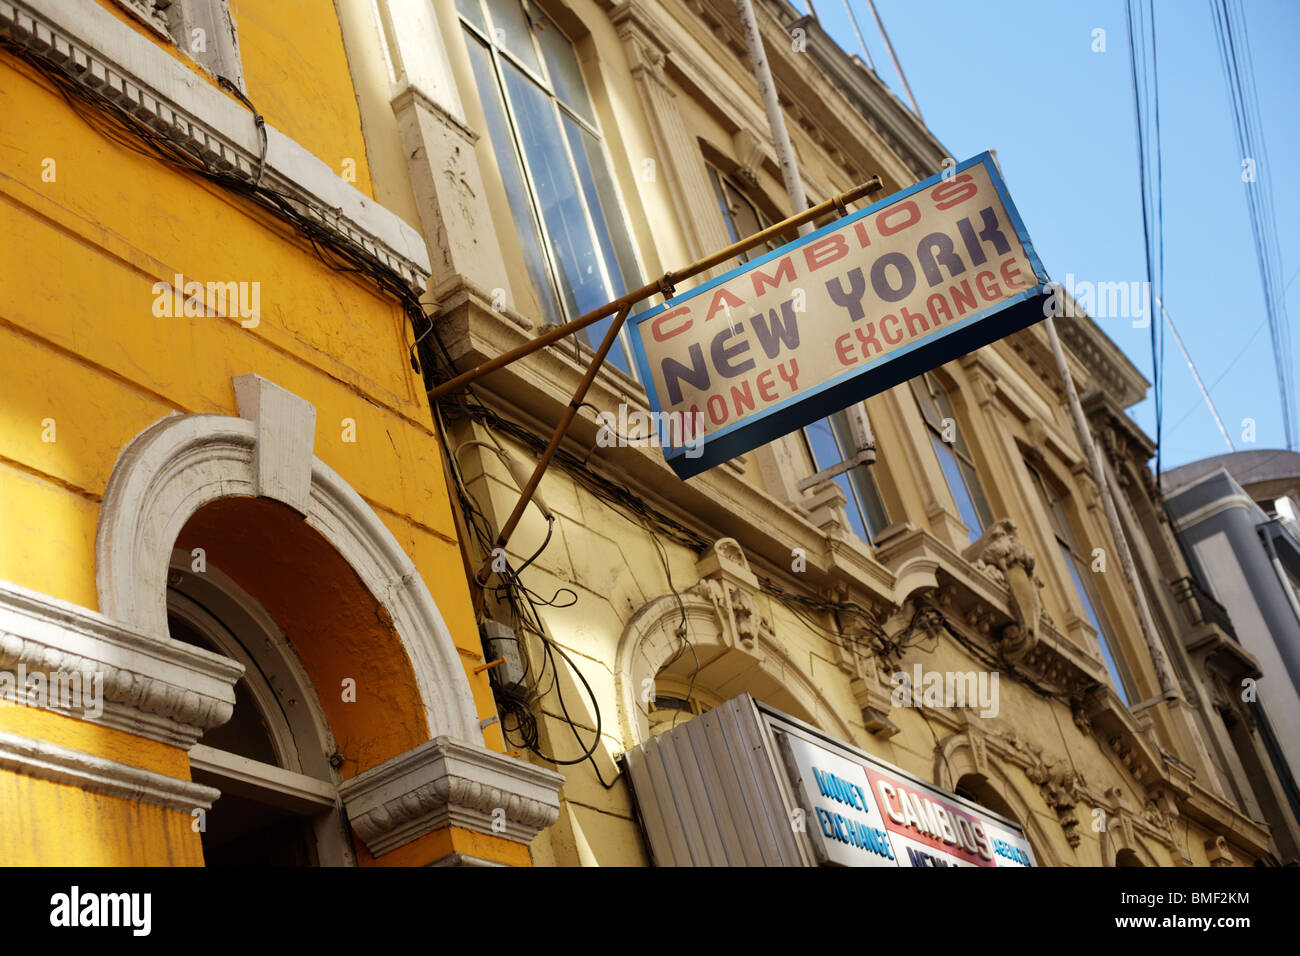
(1145, 619)
(775, 118)
(1282, 578)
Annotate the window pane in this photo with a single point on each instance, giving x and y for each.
(873, 506)
(566, 74)
(472, 12)
(944, 408)
(245, 733)
(1076, 572)
(821, 441)
(1055, 509)
(521, 209)
(825, 454)
(851, 509)
(972, 482)
(511, 31)
(861, 504)
(957, 486)
(611, 227)
(582, 276)
(864, 483)
(745, 218)
(594, 334)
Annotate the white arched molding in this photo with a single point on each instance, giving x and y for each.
(183, 462)
(720, 610)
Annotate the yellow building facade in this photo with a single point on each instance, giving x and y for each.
(222, 509)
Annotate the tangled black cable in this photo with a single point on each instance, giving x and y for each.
(802, 604)
(518, 721)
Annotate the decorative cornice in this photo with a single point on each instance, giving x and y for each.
(642, 40)
(87, 44)
(444, 782)
(929, 572)
(47, 761)
(152, 686)
(1002, 556)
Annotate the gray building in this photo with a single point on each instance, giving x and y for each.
(1235, 516)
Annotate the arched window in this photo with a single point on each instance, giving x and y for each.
(976, 788)
(1081, 574)
(279, 804)
(954, 455)
(542, 127)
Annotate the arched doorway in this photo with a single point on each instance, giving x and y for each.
(279, 803)
(396, 722)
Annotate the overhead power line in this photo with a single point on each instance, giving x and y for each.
(1146, 111)
(1239, 75)
(862, 44)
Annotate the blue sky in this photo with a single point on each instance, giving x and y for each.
(1021, 77)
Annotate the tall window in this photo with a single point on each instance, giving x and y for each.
(830, 442)
(954, 455)
(577, 247)
(1081, 573)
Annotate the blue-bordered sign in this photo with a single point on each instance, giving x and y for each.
(873, 299)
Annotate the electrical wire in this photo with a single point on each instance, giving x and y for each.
(1236, 61)
(1146, 112)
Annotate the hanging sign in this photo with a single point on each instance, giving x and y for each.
(873, 299)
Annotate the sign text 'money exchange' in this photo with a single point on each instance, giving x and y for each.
(856, 307)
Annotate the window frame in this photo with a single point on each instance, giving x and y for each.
(971, 485)
(1079, 572)
(847, 479)
(720, 181)
(499, 54)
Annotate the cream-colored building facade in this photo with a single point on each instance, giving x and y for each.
(557, 153)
